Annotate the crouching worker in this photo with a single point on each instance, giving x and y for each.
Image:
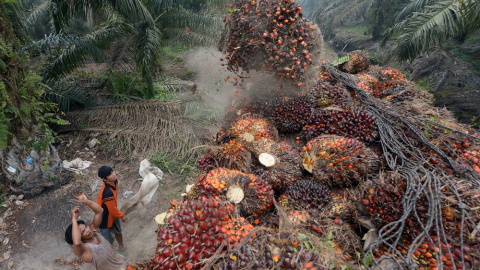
(88, 243)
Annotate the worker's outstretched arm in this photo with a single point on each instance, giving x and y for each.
(97, 218)
(79, 248)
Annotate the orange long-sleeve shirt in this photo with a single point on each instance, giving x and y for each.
(107, 199)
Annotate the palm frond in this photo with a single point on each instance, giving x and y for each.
(133, 9)
(427, 29)
(353, 10)
(38, 13)
(158, 7)
(202, 27)
(73, 52)
(63, 94)
(470, 15)
(147, 42)
(178, 36)
(410, 8)
(15, 15)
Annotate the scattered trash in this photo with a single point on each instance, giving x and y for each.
(29, 160)
(12, 170)
(76, 165)
(92, 143)
(127, 193)
(151, 176)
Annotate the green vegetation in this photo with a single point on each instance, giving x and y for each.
(425, 24)
(472, 59)
(179, 165)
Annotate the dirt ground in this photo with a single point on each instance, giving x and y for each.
(38, 239)
(35, 231)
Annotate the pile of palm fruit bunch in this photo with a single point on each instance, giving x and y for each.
(272, 34)
(345, 174)
(191, 233)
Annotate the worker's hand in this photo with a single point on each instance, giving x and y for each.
(75, 212)
(124, 218)
(80, 197)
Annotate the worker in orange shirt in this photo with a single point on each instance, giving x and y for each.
(107, 199)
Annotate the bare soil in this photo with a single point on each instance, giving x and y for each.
(37, 240)
(35, 230)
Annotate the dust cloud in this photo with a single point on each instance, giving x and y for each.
(221, 95)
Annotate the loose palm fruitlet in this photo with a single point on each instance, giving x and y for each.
(338, 161)
(472, 158)
(252, 194)
(349, 121)
(272, 251)
(193, 233)
(383, 199)
(256, 126)
(235, 230)
(325, 94)
(290, 114)
(275, 31)
(308, 194)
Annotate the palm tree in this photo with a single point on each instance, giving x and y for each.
(133, 28)
(331, 14)
(129, 20)
(423, 24)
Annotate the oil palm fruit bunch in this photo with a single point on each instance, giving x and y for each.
(338, 161)
(207, 163)
(307, 194)
(383, 198)
(348, 121)
(251, 105)
(325, 77)
(289, 115)
(235, 230)
(376, 80)
(325, 94)
(235, 155)
(252, 194)
(270, 250)
(298, 217)
(273, 30)
(247, 125)
(367, 82)
(354, 62)
(283, 164)
(192, 233)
